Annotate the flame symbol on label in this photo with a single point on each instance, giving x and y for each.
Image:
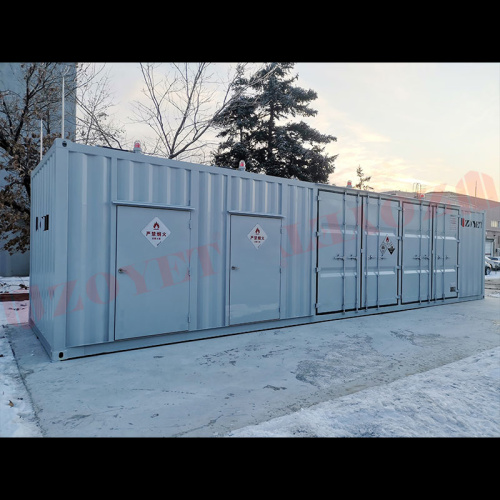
(156, 225)
(257, 231)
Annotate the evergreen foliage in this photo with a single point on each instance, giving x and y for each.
(257, 129)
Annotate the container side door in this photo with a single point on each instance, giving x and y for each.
(380, 252)
(339, 249)
(255, 274)
(445, 255)
(152, 271)
(416, 253)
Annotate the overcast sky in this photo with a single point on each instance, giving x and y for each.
(437, 124)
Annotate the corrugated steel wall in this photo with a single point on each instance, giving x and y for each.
(298, 254)
(471, 253)
(209, 251)
(89, 235)
(43, 261)
(74, 262)
(95, 180)
(145, 182)
(254, 195)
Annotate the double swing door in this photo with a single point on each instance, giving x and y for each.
(430, 253)
(375, 251)
(357, 252)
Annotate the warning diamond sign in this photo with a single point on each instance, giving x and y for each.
(156, 232)
(386, 245)
(257, 236)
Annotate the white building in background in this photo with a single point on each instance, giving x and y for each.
(11, 80)
(492, 216)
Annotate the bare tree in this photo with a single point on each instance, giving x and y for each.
(94, 99)
(32, 101)
(32, 106)
(363, 180)
(182, 105)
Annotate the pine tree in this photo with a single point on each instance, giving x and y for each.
(255, 129)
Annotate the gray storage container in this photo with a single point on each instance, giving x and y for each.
(130, 250)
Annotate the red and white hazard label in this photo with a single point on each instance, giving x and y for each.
(257, 236)
(155, 232)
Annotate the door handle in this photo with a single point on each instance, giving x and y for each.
(121, 270)
(234, 268)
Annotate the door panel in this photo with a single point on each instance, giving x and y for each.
(445, 261)
(254, 283)
(152, 271)
(338, 252)
(380, 252)
(416, 252)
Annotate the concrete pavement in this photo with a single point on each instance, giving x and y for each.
(210, 387)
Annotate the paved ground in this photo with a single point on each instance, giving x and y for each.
(211, 387)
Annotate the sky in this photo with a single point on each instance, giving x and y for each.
(433, 124)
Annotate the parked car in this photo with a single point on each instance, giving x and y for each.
(495, 265)
(487, 267)
(495, 261)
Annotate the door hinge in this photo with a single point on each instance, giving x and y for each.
(317, 304)
(317, 269)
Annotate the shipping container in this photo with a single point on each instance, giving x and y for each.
(130, 250)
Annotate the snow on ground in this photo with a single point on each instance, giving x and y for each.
(14, 283)
(458, 399)
(461, 399)
(490, 289)
(493, 275)
(17, 418)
